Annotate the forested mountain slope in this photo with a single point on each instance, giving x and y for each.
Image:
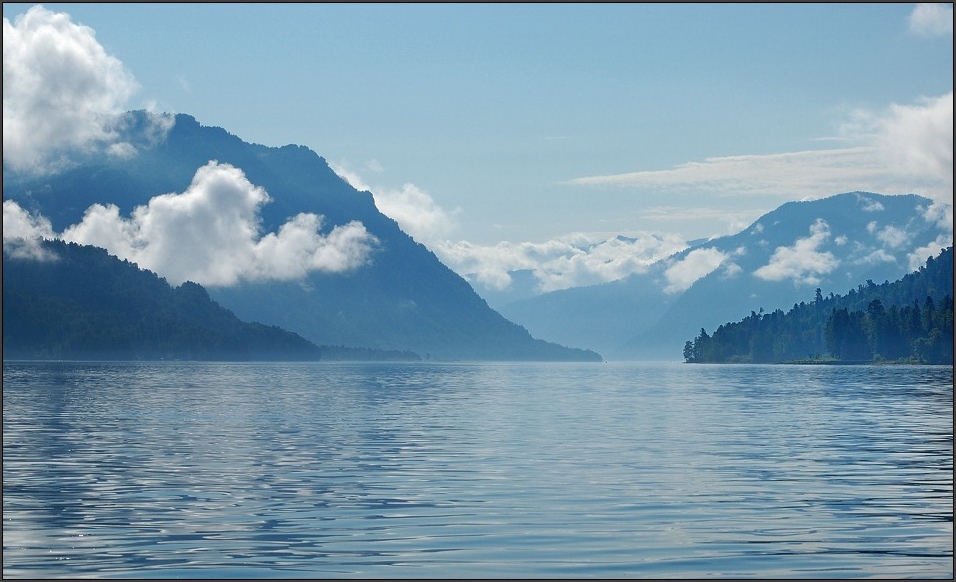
(907, 320)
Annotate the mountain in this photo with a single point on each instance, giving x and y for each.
(403, 298)
(72, 301)
(831, 243)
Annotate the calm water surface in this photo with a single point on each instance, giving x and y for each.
(457, 470)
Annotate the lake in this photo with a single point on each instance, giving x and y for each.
(476, 470)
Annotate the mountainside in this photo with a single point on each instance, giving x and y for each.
(404, 298)
(831, 244)
(79, 302)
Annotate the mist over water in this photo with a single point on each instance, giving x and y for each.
(457, 470)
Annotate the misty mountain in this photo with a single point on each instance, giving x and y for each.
(833, 244)
(401, 298)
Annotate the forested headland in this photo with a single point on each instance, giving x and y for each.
(907, 321)
(79, 302)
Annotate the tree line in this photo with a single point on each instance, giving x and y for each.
(910, 320)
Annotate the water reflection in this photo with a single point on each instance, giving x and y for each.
(187, 469)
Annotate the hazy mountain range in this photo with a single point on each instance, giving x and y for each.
(277, 237)
(832, 244)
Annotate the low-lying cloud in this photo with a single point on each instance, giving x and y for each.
(209, 234)
(571, 261)
(697, 264)
(415, 211)
(23, 232)
(62, 93)
(803, 262)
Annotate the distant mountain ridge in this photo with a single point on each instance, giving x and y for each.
(405, 299)
(832, 243)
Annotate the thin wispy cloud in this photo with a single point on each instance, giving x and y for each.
(900, 149)
(932, 19)
(733, 220)
(209, 234)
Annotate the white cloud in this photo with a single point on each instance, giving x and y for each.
(697, 264)
(411, 207)
(874, 257)
(918, 257)
(913, 141)
(940, 214)
(22, 232)
(870, 205)
(932, 19)
(901, 149)
(892, 236)
(62, 93)
(572, 261)
(210, 234)
(802, 262)
(415, 212)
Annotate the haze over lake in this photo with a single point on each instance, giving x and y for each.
(453, 470)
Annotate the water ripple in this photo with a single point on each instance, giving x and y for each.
(487, 470)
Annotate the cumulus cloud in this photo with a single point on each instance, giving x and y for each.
(932, 20)
(22, 232)
(62, 93)
(900, 149)
(802, 262)
(912, 141)
(697, 264)
(210, 234)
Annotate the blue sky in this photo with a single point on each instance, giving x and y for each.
(509, 136)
